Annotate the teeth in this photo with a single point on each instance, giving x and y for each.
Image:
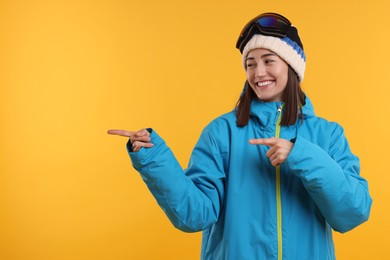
(264, 83)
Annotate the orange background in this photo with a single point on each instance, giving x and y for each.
(70, 70)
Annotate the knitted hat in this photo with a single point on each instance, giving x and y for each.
(289, 48)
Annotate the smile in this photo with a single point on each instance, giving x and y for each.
(264, 83)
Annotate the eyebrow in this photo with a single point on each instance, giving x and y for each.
(262, 56)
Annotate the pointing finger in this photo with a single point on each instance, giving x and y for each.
(123, 133)
(263, 141)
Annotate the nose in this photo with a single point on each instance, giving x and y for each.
(260, 70)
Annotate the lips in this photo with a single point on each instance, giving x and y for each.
(264, 83)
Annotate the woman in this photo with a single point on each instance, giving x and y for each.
(278, 197)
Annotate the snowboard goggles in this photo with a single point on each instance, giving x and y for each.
(269, 24)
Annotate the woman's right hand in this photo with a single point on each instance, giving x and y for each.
(138, 139)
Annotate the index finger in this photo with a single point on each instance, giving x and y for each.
(123, 133)
(263, 141)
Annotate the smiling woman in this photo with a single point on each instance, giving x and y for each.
(272, 147)
(267, 74)
(69, 70)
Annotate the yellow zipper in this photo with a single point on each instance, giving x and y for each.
(278, 194)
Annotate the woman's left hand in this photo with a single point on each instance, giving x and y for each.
(279, 148)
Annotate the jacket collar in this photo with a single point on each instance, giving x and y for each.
(267, 112)
(308, 109)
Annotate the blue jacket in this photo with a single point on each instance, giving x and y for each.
(249, 209)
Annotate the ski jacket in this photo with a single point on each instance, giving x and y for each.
(245, 207)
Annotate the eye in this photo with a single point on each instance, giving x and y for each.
(268, 61)
(250, 64)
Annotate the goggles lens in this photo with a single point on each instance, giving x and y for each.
(269, 24)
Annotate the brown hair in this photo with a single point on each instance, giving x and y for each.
(293, 98)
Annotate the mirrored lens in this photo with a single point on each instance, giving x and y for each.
(274, 23)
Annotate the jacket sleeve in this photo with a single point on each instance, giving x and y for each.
(332, 179)
(190, 198)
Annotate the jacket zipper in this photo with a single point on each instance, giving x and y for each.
(278, 193)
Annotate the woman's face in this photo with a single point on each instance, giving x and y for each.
(267, 74)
